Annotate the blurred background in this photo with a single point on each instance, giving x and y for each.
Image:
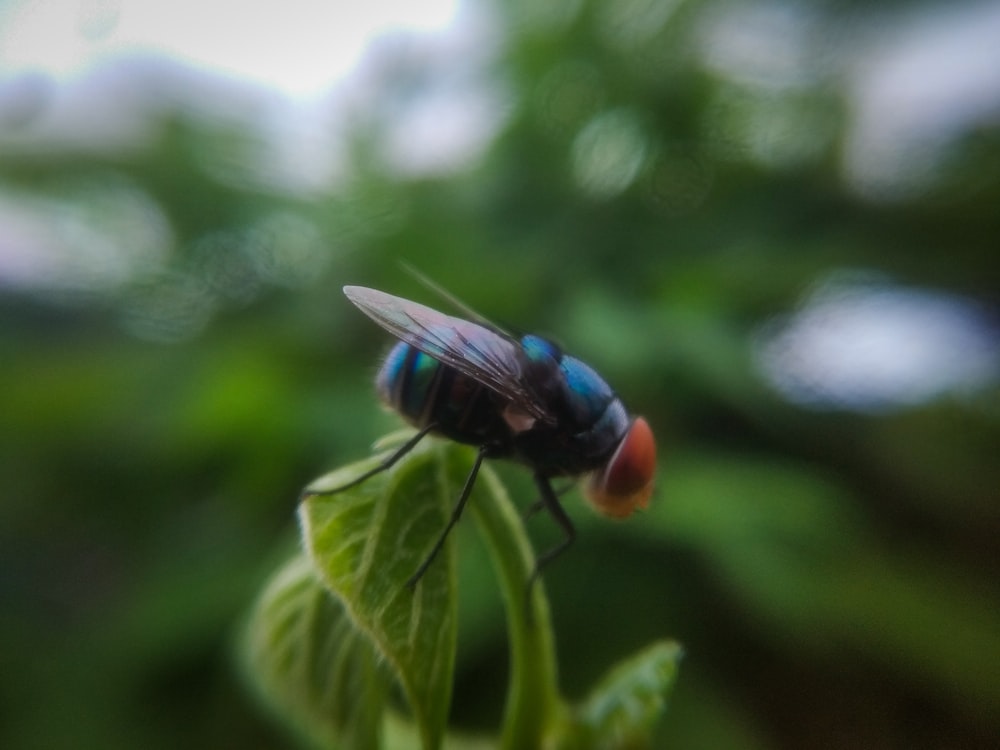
(772, 225)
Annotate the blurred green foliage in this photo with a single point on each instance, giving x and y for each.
(831, 573)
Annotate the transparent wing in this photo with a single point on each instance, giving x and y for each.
(476, 351)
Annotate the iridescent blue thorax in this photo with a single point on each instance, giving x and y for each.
(590, 419)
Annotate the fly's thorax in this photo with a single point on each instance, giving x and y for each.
(539, 360)
(587, 396)
(588, 419)
(558, 451)
(573, 390)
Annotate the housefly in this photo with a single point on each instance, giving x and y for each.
(520, 399)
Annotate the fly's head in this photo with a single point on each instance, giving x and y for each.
(626, 482)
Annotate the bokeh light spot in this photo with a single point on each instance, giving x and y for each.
(863, 344)
(608, 153)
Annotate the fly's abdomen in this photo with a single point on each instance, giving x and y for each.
(425, 391)
(406, 379)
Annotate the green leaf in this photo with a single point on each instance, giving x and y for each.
(324, 623)
(623, 709)
(367, 541)
(533, 703)
(311, 665)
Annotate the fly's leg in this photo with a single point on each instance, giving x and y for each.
(456, 514)
(405, 448)
(539, 504)
(550, 502)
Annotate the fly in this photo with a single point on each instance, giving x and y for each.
(520, 399)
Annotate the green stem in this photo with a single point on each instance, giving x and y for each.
(532, 694)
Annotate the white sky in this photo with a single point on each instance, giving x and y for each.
(300, 47)
(912, 81)
(288, 68)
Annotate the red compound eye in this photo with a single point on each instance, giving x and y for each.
(626, 483)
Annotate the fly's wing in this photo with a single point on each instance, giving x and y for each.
(473, 350)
